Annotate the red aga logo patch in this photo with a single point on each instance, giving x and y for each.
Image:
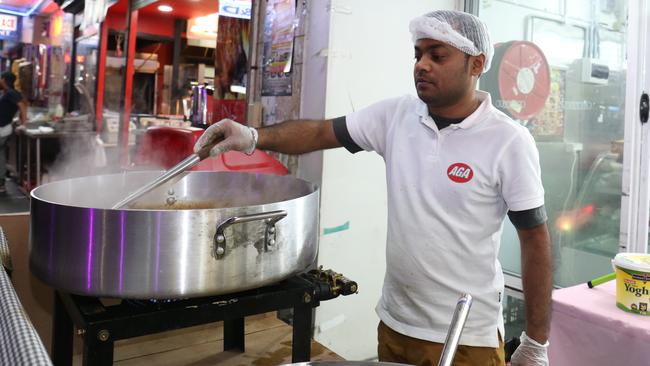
(460, 172)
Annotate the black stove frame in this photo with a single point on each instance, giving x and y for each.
(102, 325)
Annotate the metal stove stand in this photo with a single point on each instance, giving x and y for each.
(102, 325)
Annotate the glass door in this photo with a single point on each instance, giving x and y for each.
(635, 202)
(569, 72)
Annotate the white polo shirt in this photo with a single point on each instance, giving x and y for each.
(448, 194)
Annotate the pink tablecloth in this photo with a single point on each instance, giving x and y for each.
(588, 329)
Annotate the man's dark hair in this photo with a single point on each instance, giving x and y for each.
(9, 78)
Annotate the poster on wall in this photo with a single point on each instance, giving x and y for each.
(9, 27)
(548, 125)
(230, 68)
(278, 48)
(235, 8)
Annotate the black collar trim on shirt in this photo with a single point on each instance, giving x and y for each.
(443, 122)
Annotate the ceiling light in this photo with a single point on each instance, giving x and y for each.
(165, 8)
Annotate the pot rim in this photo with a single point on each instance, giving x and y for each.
(314, 187)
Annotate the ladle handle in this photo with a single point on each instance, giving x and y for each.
(455, 330)
(175, 171)
(204, 152)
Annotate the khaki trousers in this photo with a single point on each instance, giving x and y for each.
(396, 347)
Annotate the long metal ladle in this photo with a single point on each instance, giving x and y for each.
(455, 330)
(175, 172)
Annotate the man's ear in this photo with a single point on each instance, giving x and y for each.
(478, 63)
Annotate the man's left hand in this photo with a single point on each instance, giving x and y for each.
(530, 353)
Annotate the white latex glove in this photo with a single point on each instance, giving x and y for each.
(530, 353)
(235, 137)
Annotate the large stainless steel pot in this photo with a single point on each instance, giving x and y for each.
(245, 231)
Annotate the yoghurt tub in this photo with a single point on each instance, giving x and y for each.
(633, 282)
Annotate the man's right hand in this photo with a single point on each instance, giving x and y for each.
(227, 135)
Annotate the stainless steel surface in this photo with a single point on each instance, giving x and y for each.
(79, 244)
(455, 330)
(175, 172)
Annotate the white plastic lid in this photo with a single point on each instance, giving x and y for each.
(633, 261)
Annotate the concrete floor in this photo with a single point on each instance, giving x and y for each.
(14, 201)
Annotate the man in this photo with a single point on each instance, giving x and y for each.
(455, 166)
(11, 101)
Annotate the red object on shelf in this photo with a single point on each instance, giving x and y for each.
(164, 147)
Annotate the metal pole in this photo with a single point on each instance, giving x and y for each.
(127, 84)
(101, 76)
(253, 65)
(175, 83)
(455, 330)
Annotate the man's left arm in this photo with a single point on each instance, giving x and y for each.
(537, 281)
(521, 187)
(537, 278)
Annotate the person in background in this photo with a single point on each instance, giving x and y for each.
(455, 166)
(11, 101)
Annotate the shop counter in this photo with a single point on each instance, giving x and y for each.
(588, 329)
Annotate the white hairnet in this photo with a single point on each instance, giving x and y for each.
(461, 30)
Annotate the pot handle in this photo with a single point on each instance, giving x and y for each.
(270, 218)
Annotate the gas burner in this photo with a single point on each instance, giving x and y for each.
(102, 325)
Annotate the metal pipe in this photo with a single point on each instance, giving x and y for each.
(127, 84)
(101, 76)
(455, 330)
(174, 83)
(253, 64)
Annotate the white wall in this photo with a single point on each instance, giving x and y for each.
(369, 58)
